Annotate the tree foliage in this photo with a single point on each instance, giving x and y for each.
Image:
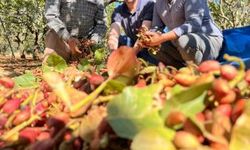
(231, 13)
(22, 24)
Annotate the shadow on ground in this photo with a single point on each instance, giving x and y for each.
(12, 67)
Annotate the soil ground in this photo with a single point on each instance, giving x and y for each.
(12, 67)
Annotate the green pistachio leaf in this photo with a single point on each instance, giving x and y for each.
(83, 65)
(132, 111)
(189, 101)
(153, 139)
(54, 63)
(27, 80)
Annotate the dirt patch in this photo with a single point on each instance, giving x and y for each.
(12, 67)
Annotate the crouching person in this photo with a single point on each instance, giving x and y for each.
(192, 34)
(129, 17)
(71, 20)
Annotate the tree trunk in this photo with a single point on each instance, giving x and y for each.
(6, 36)
(36, 45)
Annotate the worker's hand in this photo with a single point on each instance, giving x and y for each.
(156, 39)
(138, 46)
(73, 45)
(113, 44)
(88, 43)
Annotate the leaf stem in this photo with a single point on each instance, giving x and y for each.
(103, 99)
(33, 101)
(90, 97)
(27, 100)
(241, 72)
(8, 124)
(16, 129)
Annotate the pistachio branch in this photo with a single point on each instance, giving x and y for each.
(18, 128)
(241, 72)
(90, 97)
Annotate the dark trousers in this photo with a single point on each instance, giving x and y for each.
(191, 47)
